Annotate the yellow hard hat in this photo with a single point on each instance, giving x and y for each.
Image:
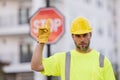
(80, 25)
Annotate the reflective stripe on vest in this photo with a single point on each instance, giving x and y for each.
(67, 64)
(101, 60)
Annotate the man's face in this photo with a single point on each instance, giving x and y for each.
(82, 41)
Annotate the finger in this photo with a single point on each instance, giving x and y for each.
(45, 30)
(47, 24)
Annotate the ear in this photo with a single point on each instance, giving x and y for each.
(72, 35)
(90, 34)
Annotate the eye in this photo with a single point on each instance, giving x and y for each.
(85, 35)
(77, 35)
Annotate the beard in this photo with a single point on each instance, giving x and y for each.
(82, 46)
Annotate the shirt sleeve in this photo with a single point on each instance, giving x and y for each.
(108, 70)
(51, 66)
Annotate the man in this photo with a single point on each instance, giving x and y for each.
(85, 63)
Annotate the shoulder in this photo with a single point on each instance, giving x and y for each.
(104, 57)
(100, 53)
(107, 61)
(58, 55)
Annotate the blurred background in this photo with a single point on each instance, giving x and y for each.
(17, 45)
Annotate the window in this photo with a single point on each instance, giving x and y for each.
(99, 3)
(25, 53)
(19, 76)
(87, 1)
(10, 76)
(100, 31)
(24, 14)
(56, 1)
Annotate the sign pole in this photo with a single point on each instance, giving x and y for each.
(48, 45)
(47, 3)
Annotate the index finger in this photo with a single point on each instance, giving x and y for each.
(47, 24)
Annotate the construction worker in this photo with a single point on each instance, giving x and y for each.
(81, 63)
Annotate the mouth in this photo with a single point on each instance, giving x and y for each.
(83, 44)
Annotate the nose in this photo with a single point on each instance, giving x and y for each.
(81, 38)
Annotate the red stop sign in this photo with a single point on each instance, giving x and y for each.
(56, 23)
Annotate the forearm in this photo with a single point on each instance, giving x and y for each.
(43, 34)
(36, 62)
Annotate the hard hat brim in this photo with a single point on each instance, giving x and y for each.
(81, 31)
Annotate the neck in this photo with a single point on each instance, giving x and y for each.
(83, 51)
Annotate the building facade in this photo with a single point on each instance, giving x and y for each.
(15, 41)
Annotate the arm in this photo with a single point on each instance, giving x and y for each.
(36, 63)
(108, 71)
(43, 34)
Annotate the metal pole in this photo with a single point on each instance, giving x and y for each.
(48, 45)
(48, 50)
(48, 54)
(47, 3)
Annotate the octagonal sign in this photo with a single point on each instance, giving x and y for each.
(56, 23)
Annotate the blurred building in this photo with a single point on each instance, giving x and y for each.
(117, 24)
(16, 45)
(15, 41)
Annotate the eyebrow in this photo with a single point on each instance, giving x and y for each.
(82, 34)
